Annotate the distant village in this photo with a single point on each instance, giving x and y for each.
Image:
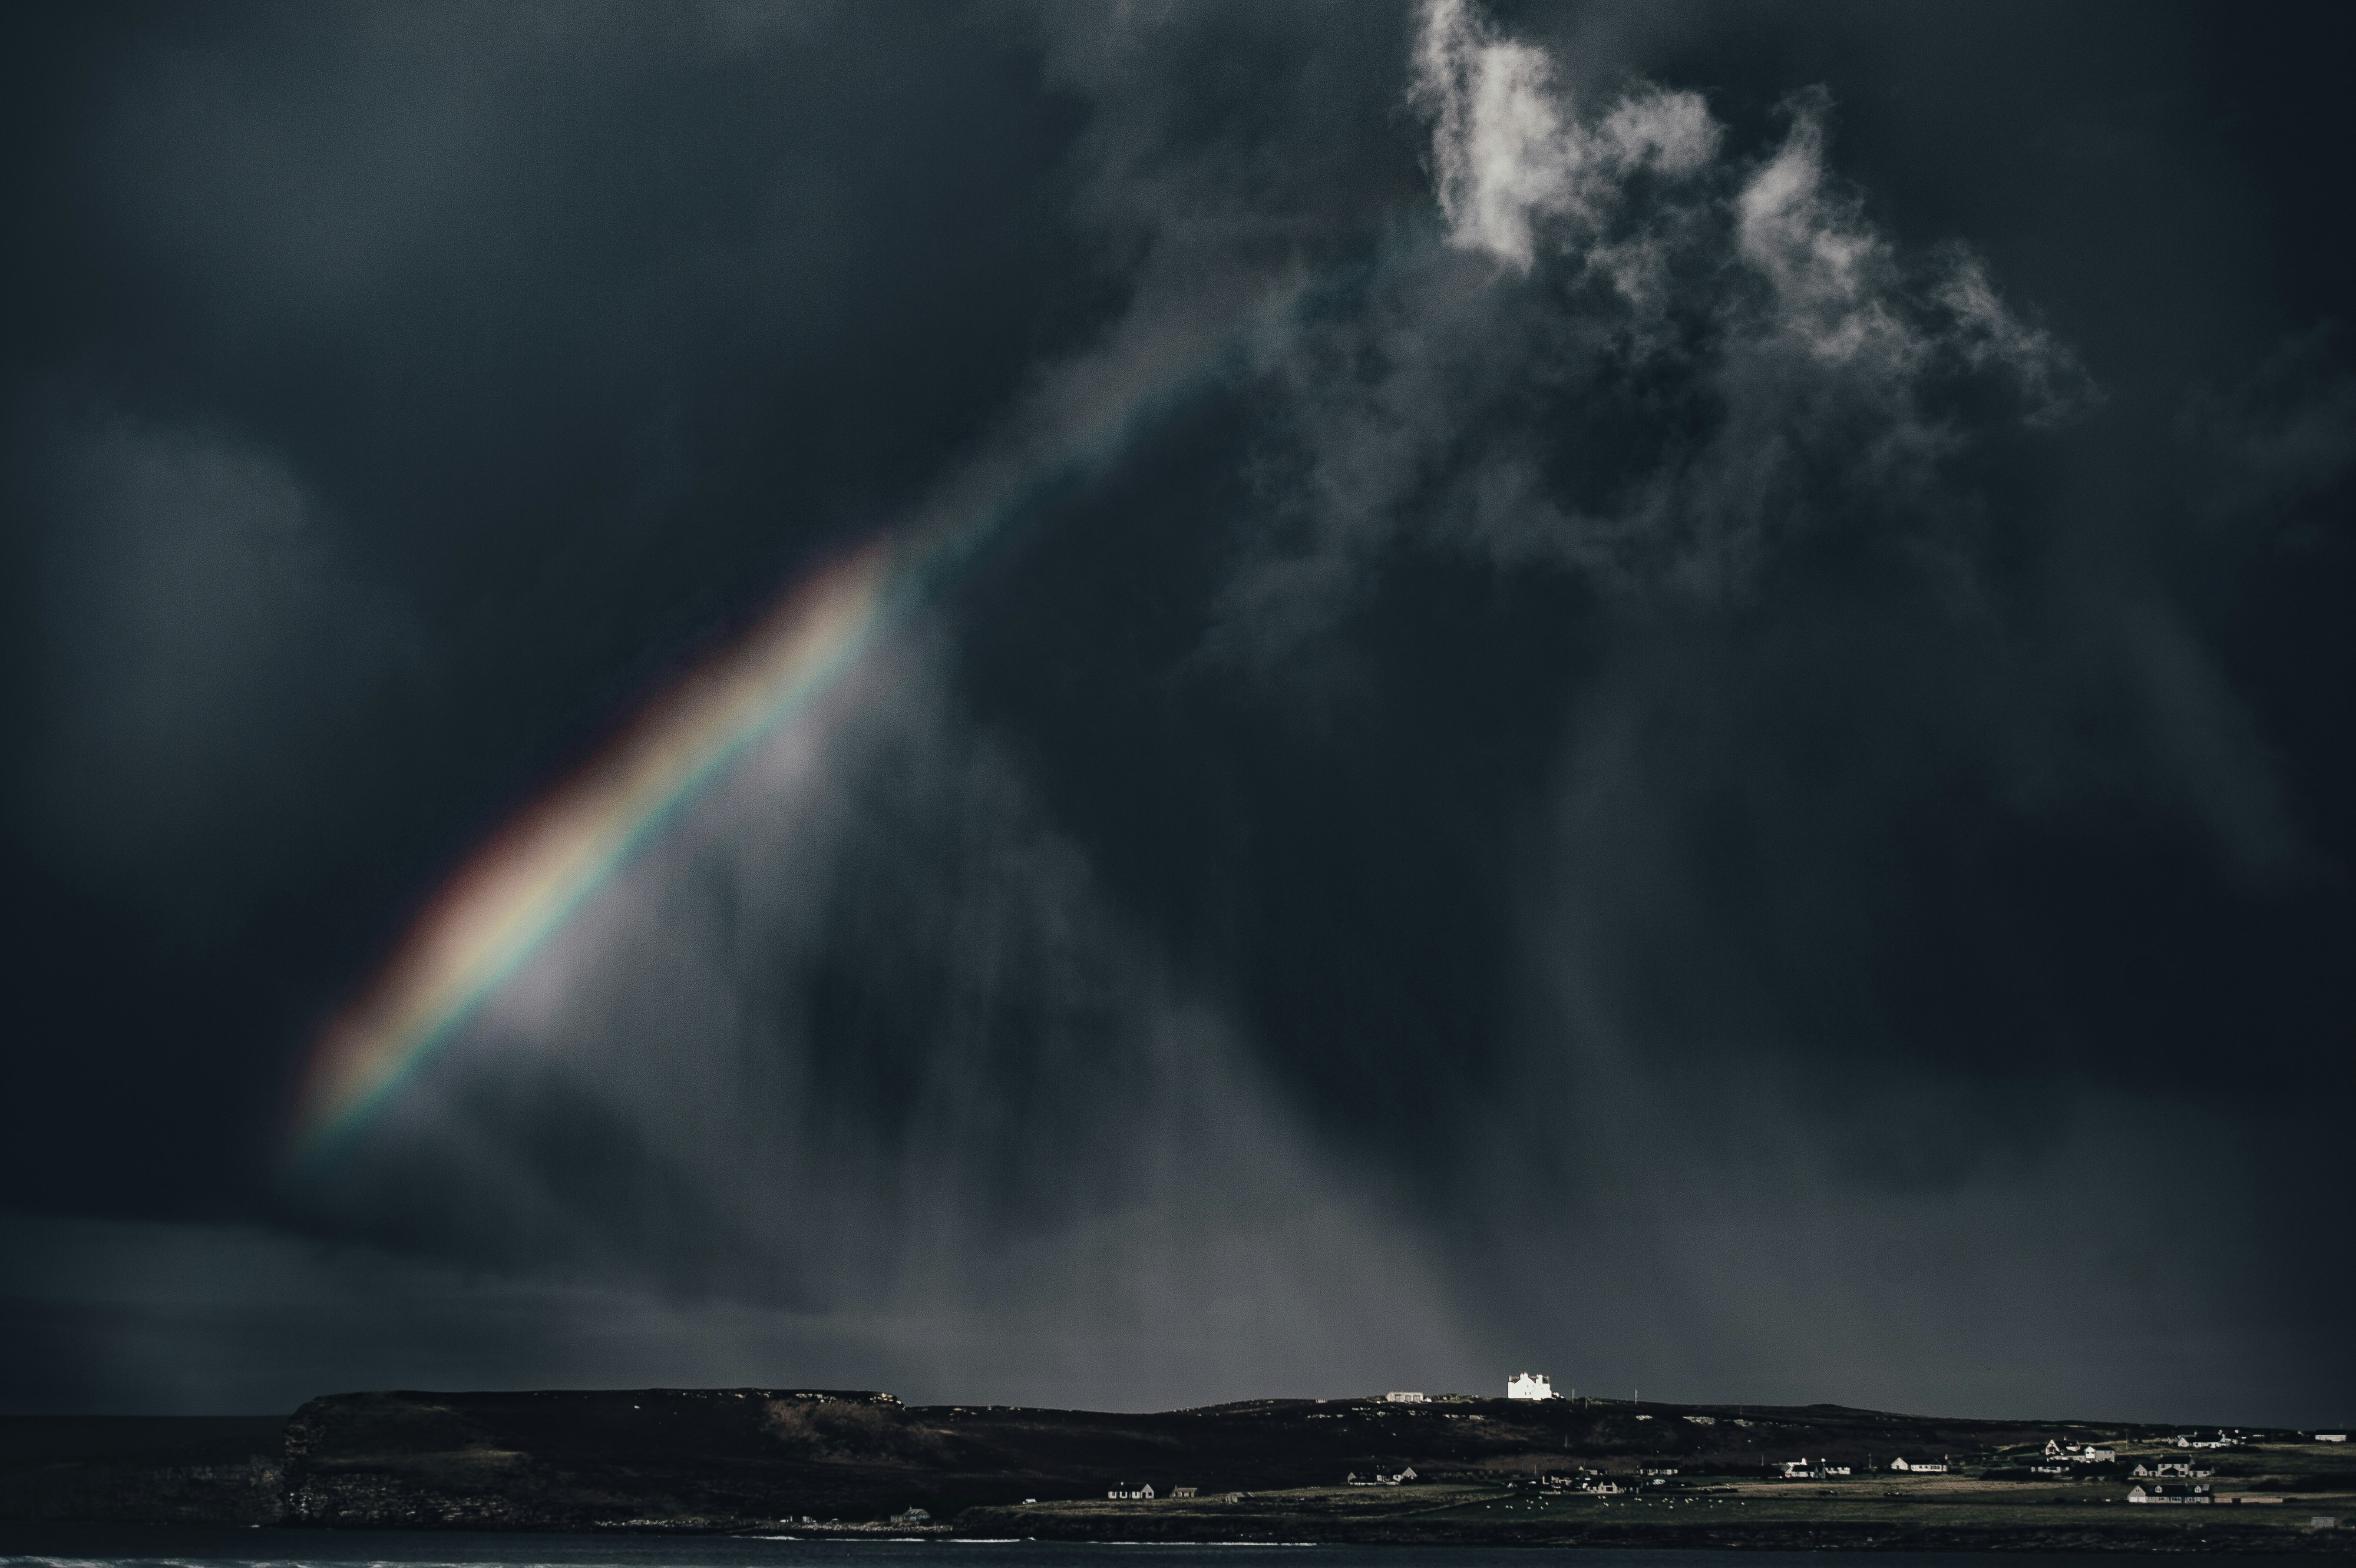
(2158, 1480)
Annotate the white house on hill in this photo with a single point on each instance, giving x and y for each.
(2157, 1494)
(1530, 1385)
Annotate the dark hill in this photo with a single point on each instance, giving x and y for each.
(162, 1468)
(577, 1459)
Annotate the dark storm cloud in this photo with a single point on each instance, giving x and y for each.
(871, 1040)
(1865, 568)
(203, 638)
(1711, 765)
(572, 332)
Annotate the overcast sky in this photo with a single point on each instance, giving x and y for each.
(1700, 731)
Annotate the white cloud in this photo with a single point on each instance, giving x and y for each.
(1833, 276)
(1791, 356)
(1509, 149)
(1987, 332)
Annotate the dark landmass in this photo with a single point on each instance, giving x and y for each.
(162, 1469)
(1563, 1472)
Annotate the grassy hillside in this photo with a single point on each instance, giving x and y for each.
(1487, 1469)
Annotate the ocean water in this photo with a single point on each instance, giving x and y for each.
(167, 1546)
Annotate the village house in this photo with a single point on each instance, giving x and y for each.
(2079, 1453)
(1530, 1385)
(1182, 1491)
(2332, 1438)
(1920, 1467)
(1380, 1479)
(2164, 1494)
(1125, 1493)
(1806, 1470)
(1405, 1398)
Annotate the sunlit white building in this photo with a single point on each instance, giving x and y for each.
(1530, 1385)
(2158, 1494)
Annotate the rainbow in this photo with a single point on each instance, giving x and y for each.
(524, 882)
(519, 886)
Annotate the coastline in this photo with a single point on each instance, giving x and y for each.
(1455, 1471)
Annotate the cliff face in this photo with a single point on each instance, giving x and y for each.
(723, 1458)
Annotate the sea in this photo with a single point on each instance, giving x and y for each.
(174, 1546)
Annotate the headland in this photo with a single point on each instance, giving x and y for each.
(1441, 1468)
